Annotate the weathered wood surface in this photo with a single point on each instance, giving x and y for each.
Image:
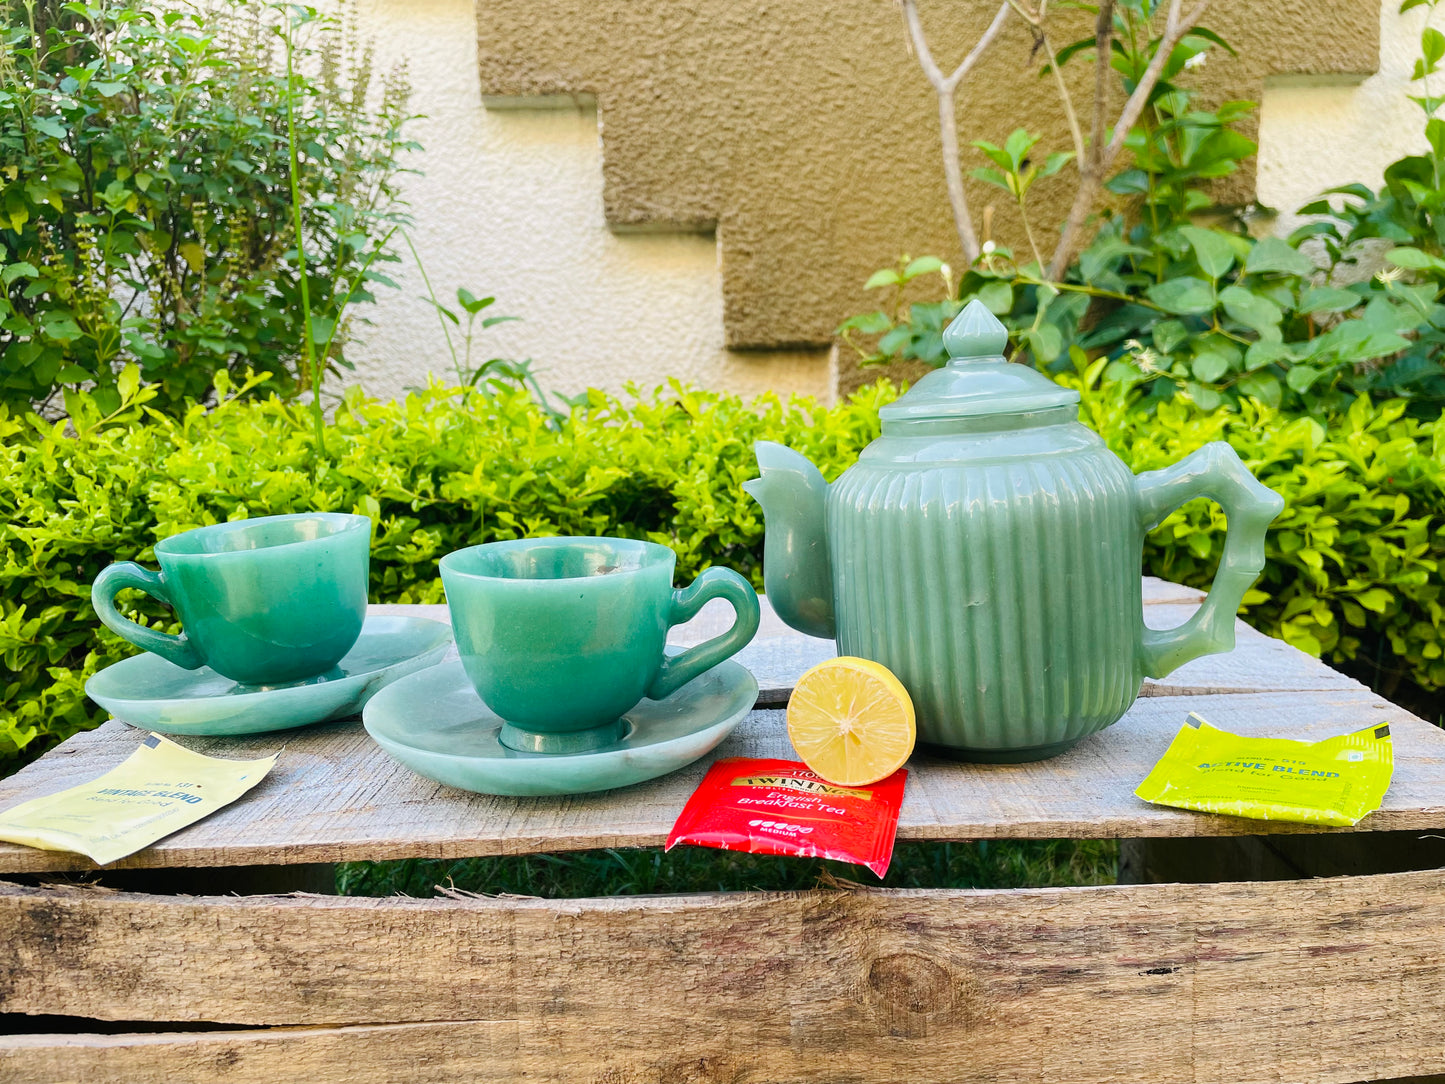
(335, 796)
(1297, 981)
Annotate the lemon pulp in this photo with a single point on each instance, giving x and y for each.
(851, 721)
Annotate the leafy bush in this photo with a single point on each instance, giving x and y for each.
(1351, 571)
(1354, 558)
(145, 195)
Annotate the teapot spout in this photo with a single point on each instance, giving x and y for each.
(797, 571)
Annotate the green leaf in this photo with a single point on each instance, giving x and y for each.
(1211, 248)
(194, 255)
(1045, 342)
(1017, 146)
(1376, 599)
(60, 327)
(1168, 334)
(72, 374)
(51, 126)
(19, 270)
(997, 296)
(885, 277)
(1262, 386)
(1432, 45)
(1101, 256)
(1185, 295)
(1413, 259)
(1301, 377)
(993, 177)
(1266, 352)
(1274, 255)
(1055, 162)
(1209, 366)
(1328, 299)
(1253, 311)
(923, 265)
(1211, 36)
(996, 154)
(1435, 133)
(128, 383)
(322, 328)
(471, 302)
(869, 323)
(1204, 399)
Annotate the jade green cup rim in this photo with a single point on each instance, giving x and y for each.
(228, 539)
(488, 562)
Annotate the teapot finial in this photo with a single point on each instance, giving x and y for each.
(975, 333)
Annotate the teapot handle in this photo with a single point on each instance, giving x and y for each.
(1217, 472)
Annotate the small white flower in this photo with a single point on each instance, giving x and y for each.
(1387, 275)
(1144, 357)
(1196, 61)
(988, 247)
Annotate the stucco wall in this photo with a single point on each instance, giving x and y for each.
(518, 202)
(1316, 133)
(509, 203)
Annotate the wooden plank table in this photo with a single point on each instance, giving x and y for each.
(1298, 979)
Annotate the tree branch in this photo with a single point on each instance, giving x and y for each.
(944, 87)
(1103, 46)
(1175, 27)
(980, 46)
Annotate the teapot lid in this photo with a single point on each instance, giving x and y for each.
(978, 379)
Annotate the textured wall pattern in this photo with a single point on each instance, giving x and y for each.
(509, 202)
(806, 135)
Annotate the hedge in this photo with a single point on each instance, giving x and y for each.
(1352, 560)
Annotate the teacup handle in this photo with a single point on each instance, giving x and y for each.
(1215, 471)
(112, 580)
(677, 670)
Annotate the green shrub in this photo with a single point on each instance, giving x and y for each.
(145, 202)
(1352, 561)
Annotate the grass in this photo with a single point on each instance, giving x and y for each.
(984, 864)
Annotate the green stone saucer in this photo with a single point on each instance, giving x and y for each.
(147, 691)
(434, 723)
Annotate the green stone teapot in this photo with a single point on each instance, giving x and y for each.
(987, 549)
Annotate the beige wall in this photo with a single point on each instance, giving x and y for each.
(517, 202)
(1316, 133)
(509, 203)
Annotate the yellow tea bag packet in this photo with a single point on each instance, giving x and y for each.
(1335, 781)
(157, 790)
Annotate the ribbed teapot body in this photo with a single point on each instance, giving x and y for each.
(998, 575)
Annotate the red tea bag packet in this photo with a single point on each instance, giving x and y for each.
(780, 807)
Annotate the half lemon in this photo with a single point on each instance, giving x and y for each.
(851, 721)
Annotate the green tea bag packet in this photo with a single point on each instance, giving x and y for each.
(157, 790)
(1335, 781)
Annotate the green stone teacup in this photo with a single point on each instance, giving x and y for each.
(265, 601)
(561, 636)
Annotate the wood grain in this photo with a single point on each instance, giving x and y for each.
(1320, 981)
(335, 796)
